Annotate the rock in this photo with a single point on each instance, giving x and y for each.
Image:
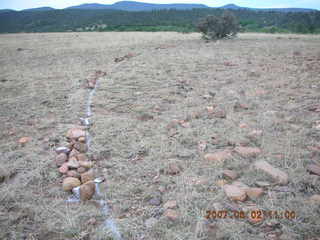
(221, 182)
(173, 169)
(255, 134)
(65, 150)
(73, 163)
(162, 189)
(82, 157)
(315, 199)
(277, 174)
(73, 153)
(313, 169)
(171, 214)
(92, 221)
(73, 173)
(81, 170)
(243, 125)
(75, 133)
(201, 181)
(24, 140)
(219, 113)
(248, 152)
(263, 184)
(170, 204)
(61, 159)
(218, 156)
(235, 193)
(202, 145)
(230, 174)
(87, 190)
(210, 109)
(150, 222)
(87, 176)
(82, 139)
(69, 183)
(241, 185)
(64, 168)
(86, 164)
(254, 193)
(155, 201)
(81, 147)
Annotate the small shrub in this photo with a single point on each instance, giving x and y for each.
(214, 27)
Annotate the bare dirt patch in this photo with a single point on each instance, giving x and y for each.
(150, 114)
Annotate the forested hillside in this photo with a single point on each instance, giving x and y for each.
(160, 20)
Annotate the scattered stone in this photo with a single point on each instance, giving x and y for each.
(263, 184)
(86, 164)
(241, 185)
(170, 204)
(73, 163)
(185, 124)
(24, 140)
(73, 153)
(155, 201)
(221, 182)
(81, 170)
(82, 157)
(255, 134)
(202, 145)
(69, 183)
(171, 214)
(81, 147)
(218, 156)
(239, 106)
(82, 139)
(87, 176)
(162, 189)
(75, 133)
(150, 222)
(73, 173)
(87, 190)
(254, 193)
(61, 159)
(219, 113)
(210, 109)
(230, 174)
(64, 168)
(248, 152)
(173, 169)
(277, 174)
(92, 221)
(315, 199)
(243, 125)
(65, 150)
(201, 181)
(235, 193)
(145, 117)
(313, 169)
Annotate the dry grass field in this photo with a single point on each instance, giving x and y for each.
(223, 91)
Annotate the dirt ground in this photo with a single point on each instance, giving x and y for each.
(258, 81)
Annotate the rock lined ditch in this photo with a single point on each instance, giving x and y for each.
(73, 162)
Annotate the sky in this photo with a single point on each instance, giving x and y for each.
(24, 4)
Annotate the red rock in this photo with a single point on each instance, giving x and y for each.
(82, 157)
(81, 147)
(87, 190)
(243, 125)
(24, 140)
(73, 173)
(61, 159)
(64, 168)
(87, 176)
(86, 164)
(75, 133)
(73, 163)
(69, 183)
(313, 169)
(254, 193)
(218, 156)
(230, 174)
(202, 145)
(235, 193)
(248, 152)
(171, 214)
(277, 174)
(170, 204)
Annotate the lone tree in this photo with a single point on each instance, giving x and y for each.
(213, 27)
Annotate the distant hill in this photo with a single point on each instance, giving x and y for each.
(137, 6)
(6, 10)
(236, 7)
(41, 9)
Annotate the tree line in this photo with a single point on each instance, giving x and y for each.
(159, 20)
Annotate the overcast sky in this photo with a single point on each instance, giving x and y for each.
(23, 4)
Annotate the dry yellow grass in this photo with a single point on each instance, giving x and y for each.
(172, 76)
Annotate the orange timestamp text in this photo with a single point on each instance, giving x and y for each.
(251, 214)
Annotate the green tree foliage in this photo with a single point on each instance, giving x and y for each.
(162, 20)
(214, 27)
